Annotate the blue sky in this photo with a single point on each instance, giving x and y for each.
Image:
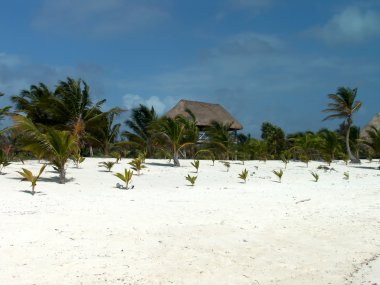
(264, 60)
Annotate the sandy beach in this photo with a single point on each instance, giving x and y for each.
(220, 231)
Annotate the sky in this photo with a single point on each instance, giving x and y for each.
(263, 60)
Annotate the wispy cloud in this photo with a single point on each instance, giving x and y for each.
(159, 104)
(98, 18)
(351, 25)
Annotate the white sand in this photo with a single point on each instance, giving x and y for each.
(163, 231)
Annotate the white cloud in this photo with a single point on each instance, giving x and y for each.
(160, 105)
(352, 25)
(98, 18)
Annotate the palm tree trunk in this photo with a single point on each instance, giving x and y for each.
(62, 175)
(175, 159)
(91, 151)
(350, 155)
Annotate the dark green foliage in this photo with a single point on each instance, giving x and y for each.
(274, 137)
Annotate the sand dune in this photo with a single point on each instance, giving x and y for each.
(220, 231)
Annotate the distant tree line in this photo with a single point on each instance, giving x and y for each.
(56, 124)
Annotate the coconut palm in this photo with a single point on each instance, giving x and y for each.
(107, 134)
(220, 138)
(343, 106)
(3, 110)
(173, 135)
(306, 146)
(140, 135)
(373, 140)
(55, 145)
(38, 105)
(330, 145)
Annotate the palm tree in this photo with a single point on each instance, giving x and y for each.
(174, 135)
(36, 104)
(330, 145)
(108, 134)
(140, 135)
(4, 110)
(343, 105)
(220, 138)
(306, 146)
(373, 140)
(55, 145)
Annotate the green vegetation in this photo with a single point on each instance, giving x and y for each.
(191, 179)
(137, 165)
(279, 174)
(315, 176)
(244, 175)
(195, 164)
(107, 165)
(346, 175)
(126, 177)
(28, 175)
(342, 106)
(227, 165)
(77, 159)
(3, 161)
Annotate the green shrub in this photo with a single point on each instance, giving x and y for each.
(191, 179)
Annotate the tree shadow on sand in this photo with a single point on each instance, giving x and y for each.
(39, 193)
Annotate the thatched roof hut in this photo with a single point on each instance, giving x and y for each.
(204, 113)
(374, 122)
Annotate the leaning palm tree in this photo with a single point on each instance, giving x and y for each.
(343, 105)
(140, 134)
(172, 134)
(373, 140)
(55, 145)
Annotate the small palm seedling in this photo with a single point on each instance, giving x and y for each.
(285, 157)
(107, 164)
(346, 175)
(116, 155)
(28, 175)
(196, 165)
(137, 165)
(243, 175)
(279, 174)
(227, 165)
(191, 179)
(315, 176)
(77, 159)
(3, 161)
(126, 177)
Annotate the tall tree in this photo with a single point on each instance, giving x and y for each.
(373, 140)
(275, 138)
(174, 135)
(55, 145)
(3, 110)
(342, 106)
(330, 145)
(221, 139)
(140, 134)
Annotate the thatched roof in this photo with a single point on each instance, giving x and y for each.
(374, 122)
(204, 113)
